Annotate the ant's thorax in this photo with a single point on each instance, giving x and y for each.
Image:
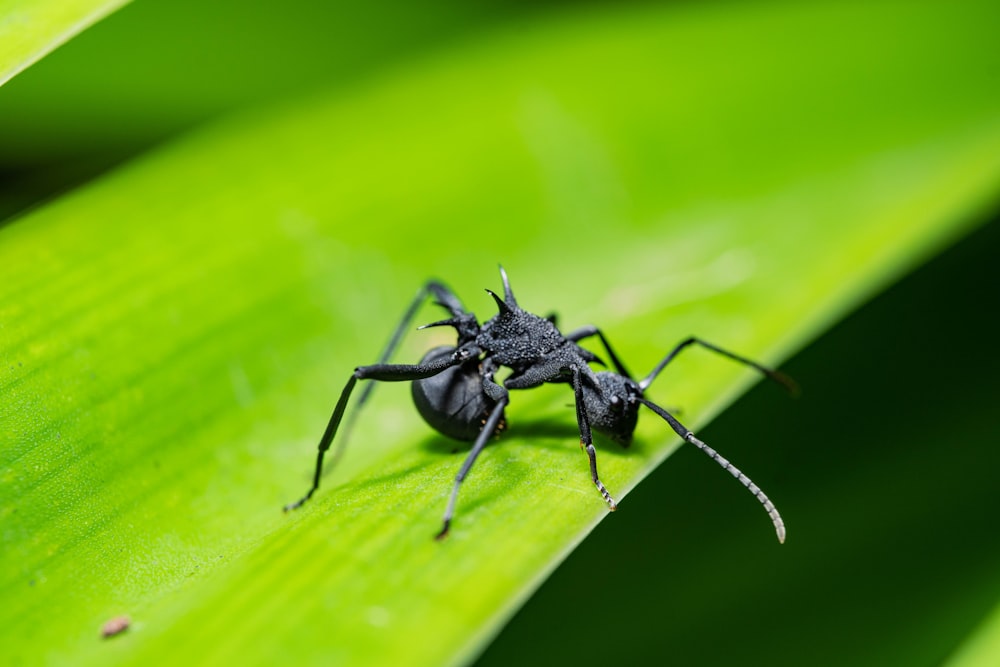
(516, 338)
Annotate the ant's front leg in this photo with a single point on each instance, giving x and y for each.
(586, 439)
(380, 372)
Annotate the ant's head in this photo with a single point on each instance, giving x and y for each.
(614, 409)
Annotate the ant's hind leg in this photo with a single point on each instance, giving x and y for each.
(380, 372)
(443, 296)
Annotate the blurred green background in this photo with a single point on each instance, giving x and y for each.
(157, 68)
(883, 469)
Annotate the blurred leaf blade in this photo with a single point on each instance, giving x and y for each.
(175, 335)
(982, 648)
(29, 29)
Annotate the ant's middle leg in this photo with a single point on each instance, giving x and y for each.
(590, 330)
(501, 396)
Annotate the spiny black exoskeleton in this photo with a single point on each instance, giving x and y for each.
(455, 391)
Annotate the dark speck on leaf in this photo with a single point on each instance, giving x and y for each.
(115, 626)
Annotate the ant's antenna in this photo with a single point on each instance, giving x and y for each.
(777, 376)
(681, 430)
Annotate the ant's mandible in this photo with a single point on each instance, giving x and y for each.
(455, 391)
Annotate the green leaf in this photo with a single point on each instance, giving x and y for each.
(29, 29)
(173, 337)
(887, 469)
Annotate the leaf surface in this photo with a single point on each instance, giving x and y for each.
(173, 336)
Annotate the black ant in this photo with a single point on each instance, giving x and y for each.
(455, 392)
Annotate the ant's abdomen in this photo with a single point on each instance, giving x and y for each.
(453, 402)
